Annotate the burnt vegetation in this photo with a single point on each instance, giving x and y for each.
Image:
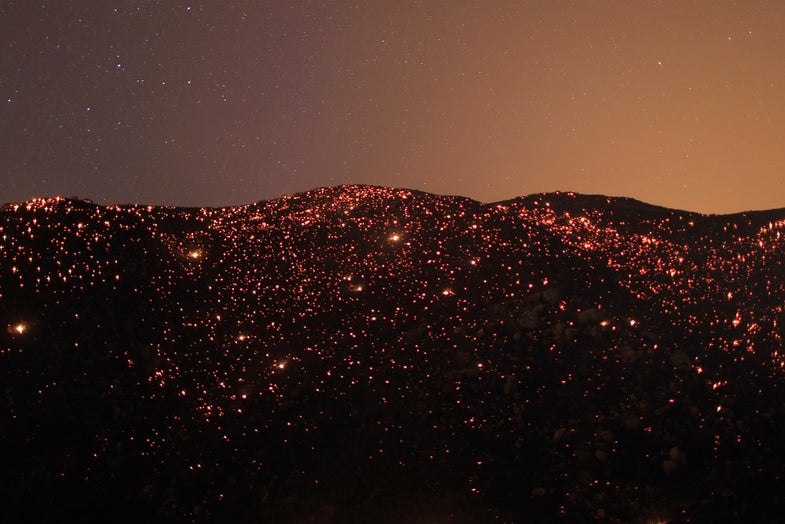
(358, 353)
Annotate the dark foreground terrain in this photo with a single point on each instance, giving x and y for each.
(362, 354)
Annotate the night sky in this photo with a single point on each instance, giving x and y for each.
(225, 102)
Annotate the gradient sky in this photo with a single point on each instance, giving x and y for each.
(223, 102)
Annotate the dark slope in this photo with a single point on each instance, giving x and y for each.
(358, 353)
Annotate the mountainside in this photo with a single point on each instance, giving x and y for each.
(367, 354)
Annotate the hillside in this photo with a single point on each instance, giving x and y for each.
(356, 354)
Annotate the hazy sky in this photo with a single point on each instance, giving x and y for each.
(227, 102)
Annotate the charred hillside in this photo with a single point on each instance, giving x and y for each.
(359, 353)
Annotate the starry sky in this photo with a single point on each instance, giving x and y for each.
(676, 103)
